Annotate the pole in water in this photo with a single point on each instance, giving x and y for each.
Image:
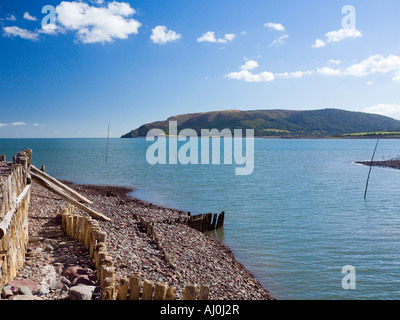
(370, 168)
(108, 137)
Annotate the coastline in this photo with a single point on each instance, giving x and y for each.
(393, 163)
(194, 258)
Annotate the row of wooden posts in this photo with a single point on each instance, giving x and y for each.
(207, 221)
(201, 222)
(88, 232)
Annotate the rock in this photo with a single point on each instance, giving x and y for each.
(65, 281)
(24, 297)
(58, 267)
(32, 285)
(84, 279)
(42, 291)
(73, 272)
(81, 292)
(7, 292)
(35, 239)
(49, 247)
(24, 290)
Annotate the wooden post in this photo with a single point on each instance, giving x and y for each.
(170, 295)
(148, 287)
(123, 289)
(59, 192)
(2, 158)
(214, 221)
(190, 292)
(70, 225)
(107, 262)
(160, 291)
(43, 168)
(204, 293)
(220, 222)
(107, 272)
(134, 284)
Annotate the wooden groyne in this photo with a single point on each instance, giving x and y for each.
(88, 232)
(201, 222)
(15, 183)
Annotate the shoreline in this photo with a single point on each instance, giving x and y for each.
(193, 257)
(393, 163)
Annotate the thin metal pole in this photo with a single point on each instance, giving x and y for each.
(108, 137)
(370, 168)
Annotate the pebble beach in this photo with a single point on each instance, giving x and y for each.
(57, 263)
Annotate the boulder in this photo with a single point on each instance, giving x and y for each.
(32, 285)
(81, 292)
(24, 290)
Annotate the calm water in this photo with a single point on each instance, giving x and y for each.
(294, 223)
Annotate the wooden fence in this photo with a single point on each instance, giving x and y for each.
(88, 232)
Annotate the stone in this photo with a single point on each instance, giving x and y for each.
(49, 247)
(32, 285)
(35, 239)
(42, 291)
(24, 297)
(84, 279)
(73, 272)
(7, 292)
(65, 281)
(81, 292)
(24, 290)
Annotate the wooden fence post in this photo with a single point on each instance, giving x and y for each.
(148, 287)
(190, 292)
(134, 284)
(160, 291)
(123, 289)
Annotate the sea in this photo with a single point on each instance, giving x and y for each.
(299, 222)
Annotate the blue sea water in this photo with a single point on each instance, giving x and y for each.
(294, 223)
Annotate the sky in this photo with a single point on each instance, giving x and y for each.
(70, 68)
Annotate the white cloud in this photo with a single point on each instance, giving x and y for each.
(341, 34)
(275, 26)
(293, 75)
(248, 76)
(319, 44)
(27, 16)
(369, 66)
(50, 29)
(250, 65)
(279, 41)
(230, 36)
(376, 64)
(209, 36)
(329, 71)
(370, 83)
(18, 32)
(11, 17)
(18, 123)
(98, 24)
(161, 35)
(389, 110)
(333, 61)
(337, 36)
(3, 125)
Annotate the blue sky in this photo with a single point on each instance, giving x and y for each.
(131, 62)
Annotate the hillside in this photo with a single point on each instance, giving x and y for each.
(285, 123)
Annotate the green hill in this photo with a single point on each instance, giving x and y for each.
(285, 123)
